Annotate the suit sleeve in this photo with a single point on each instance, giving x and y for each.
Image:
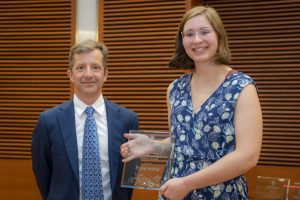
(135, 126)
(135, 123)
(41, 163)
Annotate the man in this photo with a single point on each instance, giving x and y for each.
(59, 139)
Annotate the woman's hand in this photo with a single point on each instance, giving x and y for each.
(175, 189)
(137, 146)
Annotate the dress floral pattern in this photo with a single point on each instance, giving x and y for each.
(202, 137)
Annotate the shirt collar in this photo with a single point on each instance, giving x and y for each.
(98, 105)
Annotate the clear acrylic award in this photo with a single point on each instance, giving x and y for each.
(145, 172)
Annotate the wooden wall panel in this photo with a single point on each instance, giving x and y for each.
(17, 181)
(271, 171)
(140, 36)
(35, 39)
(264, 38)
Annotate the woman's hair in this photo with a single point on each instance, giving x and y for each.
(181, 60)
(86, 46)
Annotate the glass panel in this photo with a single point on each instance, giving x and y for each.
(292, 192)
(271, 188)
(145, 172)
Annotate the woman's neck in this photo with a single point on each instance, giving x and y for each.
(210, 72)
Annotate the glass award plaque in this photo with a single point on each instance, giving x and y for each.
(271, 188)
(145, 172)
(292, 192)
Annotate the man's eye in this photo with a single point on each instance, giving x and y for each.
(79, 68)
(96, 68)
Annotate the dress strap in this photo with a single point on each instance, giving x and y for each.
(232, 71)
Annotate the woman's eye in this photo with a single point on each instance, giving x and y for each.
(205, 32)
(191, 34)
(188, 34)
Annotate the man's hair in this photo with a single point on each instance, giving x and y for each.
(86, 46)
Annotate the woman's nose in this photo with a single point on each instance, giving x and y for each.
(197, 38)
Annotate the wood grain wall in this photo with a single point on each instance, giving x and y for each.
(35, 37)
(264, 40)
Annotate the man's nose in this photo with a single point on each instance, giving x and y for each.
(88, 71)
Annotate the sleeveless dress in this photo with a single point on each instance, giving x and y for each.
(202, 137)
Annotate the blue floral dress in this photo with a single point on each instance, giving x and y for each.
(201, 138)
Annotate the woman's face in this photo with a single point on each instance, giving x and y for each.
(199, 39)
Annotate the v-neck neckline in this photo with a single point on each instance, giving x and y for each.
(199, 108)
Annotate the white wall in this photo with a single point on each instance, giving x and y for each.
(86, 20)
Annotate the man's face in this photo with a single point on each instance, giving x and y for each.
(88, 75)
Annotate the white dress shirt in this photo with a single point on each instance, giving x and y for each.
(101, 121)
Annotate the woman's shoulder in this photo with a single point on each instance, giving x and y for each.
(237, 81)
(183, 79)
(242, 78)
(180, 83)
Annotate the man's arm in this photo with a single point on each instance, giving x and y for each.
(41, 162)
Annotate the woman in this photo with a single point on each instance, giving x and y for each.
(214, 115)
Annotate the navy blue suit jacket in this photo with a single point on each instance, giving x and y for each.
(55, 154)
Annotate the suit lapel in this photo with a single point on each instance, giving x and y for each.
(66, 120)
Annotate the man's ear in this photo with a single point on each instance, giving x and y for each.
(106, 74)
(69, 73)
